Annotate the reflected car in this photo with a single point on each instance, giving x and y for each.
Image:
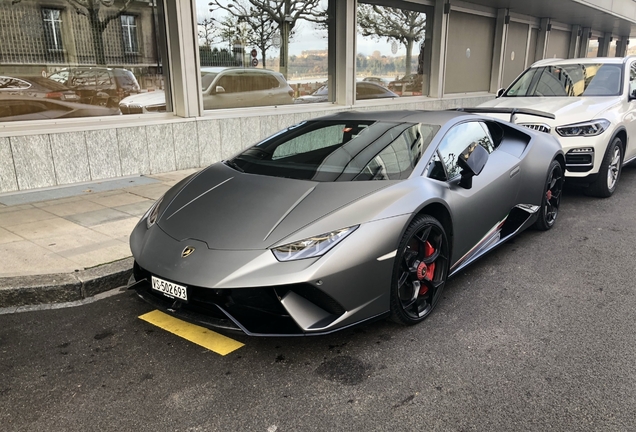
(98, 85)
(376, 80)
(16, 108)
(144, 103)
(364, 91)
(410, 85)
(594, 104)
(222, 88)
(35, 86)
(343, 219)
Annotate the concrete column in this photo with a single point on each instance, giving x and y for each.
(603, 44)
(542, 40)
(621, 46)
(184, 56)
(586, 35)
(501, 36)
(345, 15)
(574, 41)
(438, 56)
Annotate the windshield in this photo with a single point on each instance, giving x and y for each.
(339, 151)
(592, 79)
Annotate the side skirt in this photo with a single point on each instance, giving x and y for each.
(520, 218)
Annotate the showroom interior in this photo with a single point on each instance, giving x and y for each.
(100, 89)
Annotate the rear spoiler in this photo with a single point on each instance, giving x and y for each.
(511, 111)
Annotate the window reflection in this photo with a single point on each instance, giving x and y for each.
(265, 52)
(78, 58)
(392, 47)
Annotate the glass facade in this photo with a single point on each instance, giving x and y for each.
(393, 49)
(78, 59)
(263, 52)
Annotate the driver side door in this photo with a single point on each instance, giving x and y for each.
(478, 212)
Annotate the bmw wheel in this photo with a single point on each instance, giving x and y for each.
(420, 271)
(551, 197)
(610, 171)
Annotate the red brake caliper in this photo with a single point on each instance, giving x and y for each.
(548, 195)
(426, 271)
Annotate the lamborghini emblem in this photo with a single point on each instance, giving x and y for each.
(187, 252)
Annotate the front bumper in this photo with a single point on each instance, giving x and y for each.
(262, 311)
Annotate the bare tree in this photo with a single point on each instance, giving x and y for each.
(207, 31)
(285, 14)
(99, 14)
(405, 26)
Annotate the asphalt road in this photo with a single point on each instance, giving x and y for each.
(539, 335)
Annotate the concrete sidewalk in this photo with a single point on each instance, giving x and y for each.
(68, 243)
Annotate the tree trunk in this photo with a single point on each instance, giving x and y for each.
(98, 38)
(284, 48)
(409, 49)
(264, 54)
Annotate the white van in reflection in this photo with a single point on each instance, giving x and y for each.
(223, 88)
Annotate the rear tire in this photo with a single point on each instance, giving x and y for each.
(420, 271)
(551, 197)
(610, 171)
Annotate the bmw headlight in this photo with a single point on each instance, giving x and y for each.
(589, 128)
(313, 246)
(152, 213)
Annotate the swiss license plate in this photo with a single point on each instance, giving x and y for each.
(170, 289)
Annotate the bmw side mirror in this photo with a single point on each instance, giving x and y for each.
(472, 161)
(219, 89)
(500, 92)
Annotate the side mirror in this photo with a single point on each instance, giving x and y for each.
(219, 89)
(500, 92)
(632, 95)
(472, 161)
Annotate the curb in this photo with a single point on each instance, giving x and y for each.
(64, 287)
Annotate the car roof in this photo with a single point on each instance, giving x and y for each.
(587, 60)
(212, 69)
(403, 116)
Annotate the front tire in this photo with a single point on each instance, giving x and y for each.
(420, 271)
(610, 171)
(551, 197)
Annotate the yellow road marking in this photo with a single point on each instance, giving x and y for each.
(199, 335)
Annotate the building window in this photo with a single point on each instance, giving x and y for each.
(394, 48)
(283, 51)
(129, 33)
(52, 20)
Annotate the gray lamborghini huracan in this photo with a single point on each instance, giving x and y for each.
(343, 219)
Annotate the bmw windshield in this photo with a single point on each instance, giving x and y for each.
(572, 80)
(339, 151)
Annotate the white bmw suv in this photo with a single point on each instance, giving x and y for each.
(594, 104)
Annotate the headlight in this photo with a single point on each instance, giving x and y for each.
(152, 213)
(313, 246)
(589, 128)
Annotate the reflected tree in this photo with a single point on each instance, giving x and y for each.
(404, 26)
(282, 14)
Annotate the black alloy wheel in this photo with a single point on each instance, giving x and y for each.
(551, 197)
(420, 271)
(609, 172)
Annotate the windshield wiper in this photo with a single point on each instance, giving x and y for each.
(233, 165)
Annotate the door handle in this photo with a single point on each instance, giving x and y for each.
(514, 171)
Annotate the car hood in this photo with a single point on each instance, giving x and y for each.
(311, 99)
(230, 210)
(156, 97)
(566, 109)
